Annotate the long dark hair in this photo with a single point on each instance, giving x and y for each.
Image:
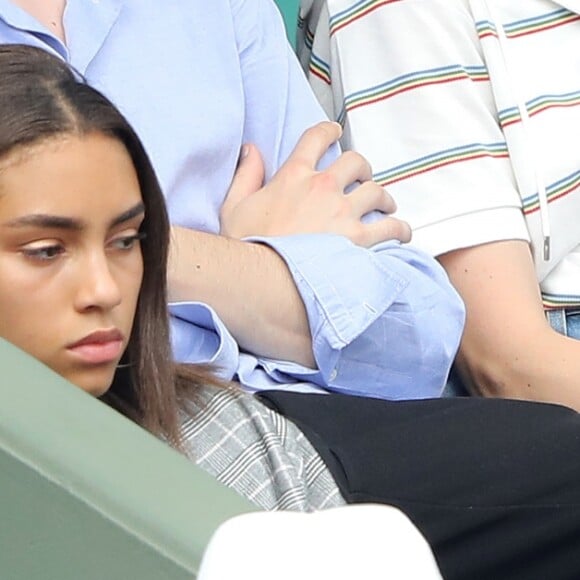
(41, 98)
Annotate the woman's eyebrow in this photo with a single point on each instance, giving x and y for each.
(46, 221)
(66, 223)
(136, 210)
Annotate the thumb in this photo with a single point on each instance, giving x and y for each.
(248, 178)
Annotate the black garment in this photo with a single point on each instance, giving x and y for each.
(494, 485)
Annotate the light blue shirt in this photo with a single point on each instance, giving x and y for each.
(199, 79)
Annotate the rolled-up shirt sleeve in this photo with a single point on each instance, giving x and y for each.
(385, 322)
(198, 336)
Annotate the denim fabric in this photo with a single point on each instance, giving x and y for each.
(454, 386)
(563, 321)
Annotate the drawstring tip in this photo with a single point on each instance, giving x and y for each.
(546, 248)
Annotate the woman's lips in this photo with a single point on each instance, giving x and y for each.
(100, 347)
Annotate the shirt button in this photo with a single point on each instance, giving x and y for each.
(333, 375)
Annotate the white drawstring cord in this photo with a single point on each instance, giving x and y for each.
(528, 139)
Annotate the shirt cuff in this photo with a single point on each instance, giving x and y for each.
(343, 287)
(209, 342)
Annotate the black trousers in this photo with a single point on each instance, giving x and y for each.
(494, 485)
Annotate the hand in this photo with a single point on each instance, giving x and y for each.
(301, 200)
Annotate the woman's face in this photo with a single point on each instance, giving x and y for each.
(70, 257)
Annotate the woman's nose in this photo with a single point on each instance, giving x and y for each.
(98, 286)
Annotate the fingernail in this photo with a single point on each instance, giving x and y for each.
(243, 154)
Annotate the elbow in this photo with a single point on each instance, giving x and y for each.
(439, 319)
(428, 342)
(486, 376)
(495, 372)
(441, 328)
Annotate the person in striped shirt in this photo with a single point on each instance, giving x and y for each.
(469, 113)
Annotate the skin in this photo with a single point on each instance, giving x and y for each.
(70, 257)
(48, 12)
(508, 348)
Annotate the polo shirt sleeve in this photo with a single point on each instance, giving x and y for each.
(411, 86)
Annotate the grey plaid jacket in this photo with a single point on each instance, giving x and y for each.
(257, 452)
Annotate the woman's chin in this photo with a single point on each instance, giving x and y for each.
(95, 382)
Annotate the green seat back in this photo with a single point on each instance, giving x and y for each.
(289, 10)
(87, 494)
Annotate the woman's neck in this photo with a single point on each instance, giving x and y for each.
(48, 12)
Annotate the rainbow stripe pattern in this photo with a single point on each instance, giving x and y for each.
(527, 26)
(440, 159)
(319, 68)
(355, 12)
(408, 82)
(541, 103)
(556, 190)
(552, 301)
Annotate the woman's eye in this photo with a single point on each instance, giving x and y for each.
(43, 253)
(127, 242)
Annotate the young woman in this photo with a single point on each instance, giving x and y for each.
(83, 244)
(84, 239)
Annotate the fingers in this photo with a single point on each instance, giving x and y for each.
(370, 196)
(349, 168)
(315, 142)
(248, 178)
(307, 200)
(386, 229)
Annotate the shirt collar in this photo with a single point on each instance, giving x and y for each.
(572, 5)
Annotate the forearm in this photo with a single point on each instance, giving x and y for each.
(249, 286)
(546, 371)
(391, 334)
(508, 348)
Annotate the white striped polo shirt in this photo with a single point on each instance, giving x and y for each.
(469, 112)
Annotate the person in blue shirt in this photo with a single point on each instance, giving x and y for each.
(288, 285)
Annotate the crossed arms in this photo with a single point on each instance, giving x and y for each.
(299, 222)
